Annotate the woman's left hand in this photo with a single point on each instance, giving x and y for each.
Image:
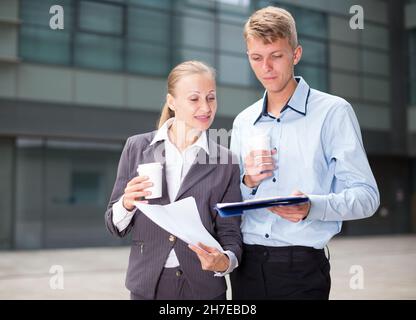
(211, 258)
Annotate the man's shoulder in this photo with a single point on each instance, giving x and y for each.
(326, 102)
(250, 113)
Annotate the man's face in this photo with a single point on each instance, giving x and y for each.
(273, 62)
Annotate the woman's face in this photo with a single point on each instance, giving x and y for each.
(194, 101)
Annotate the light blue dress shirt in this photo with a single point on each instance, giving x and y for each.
(320, 153)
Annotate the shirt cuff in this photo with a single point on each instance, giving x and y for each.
(318, 207)
(247, 192)
(233, 264)
(122, 216)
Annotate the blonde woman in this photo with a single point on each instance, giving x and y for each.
(160, 265)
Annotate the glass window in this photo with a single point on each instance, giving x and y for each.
(375, 36)
(412, 65)
(101, 18)
(44, 45)
(316, 77)
(103, 52)
(413, 92)
(231, 38)
(149, 25)
(194, 32)
(181, 55)
(376, 62)
(86, 188)
(39, 43)
(376, 89)
(234, 70)
(310, 22)
(161, 4)
(37, 12)
(148, 58)
(314, 51)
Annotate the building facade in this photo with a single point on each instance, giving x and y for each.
(69, 98)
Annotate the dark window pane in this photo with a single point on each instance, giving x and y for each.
(37, 12)
(44, 45)
(314, 51)
(311, 23)
(86, 188)
(102, 18)
(147, 58)
(98, 51)
(314, 76)
(148, 25)
(162, 4)
(412, 42)
(413, 93)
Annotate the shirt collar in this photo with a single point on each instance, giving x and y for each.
(297, 101)
(162, 135)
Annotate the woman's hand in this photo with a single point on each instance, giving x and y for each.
(211, 258)
(135, 190)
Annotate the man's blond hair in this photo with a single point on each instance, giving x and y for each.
(270, 24)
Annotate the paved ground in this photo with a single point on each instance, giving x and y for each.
(362, 268)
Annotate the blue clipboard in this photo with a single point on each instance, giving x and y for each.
(237, 208)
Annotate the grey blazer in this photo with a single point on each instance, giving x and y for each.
(209, 184)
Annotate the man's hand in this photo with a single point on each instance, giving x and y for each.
(293, 213)
(258, 165)
(211, 259)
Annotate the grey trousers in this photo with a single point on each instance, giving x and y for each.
(173, 285)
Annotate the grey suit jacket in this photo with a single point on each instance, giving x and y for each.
(209, 184)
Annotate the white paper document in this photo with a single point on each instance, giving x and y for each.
(180, 218)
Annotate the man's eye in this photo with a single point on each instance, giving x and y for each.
(276, 57)
(255, 58)
(194, 99)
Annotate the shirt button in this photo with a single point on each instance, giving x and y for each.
(278, 120)
(179, 273)
(172, 238)
(274, 179)
(266, 235)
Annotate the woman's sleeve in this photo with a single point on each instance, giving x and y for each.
(118, 190)
(228, 229)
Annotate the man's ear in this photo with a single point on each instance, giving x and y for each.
(297, 55)
(170, 101)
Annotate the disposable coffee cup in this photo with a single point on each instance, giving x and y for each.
(259, 142)
(154, 172)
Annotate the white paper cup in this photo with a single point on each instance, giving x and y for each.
(259, 142)
(154, 172)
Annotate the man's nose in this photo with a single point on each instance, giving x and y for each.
(267, 66)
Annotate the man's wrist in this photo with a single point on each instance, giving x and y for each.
(252, 186)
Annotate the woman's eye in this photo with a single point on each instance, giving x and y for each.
(194, 99)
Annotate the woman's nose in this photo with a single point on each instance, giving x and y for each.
(205, 106)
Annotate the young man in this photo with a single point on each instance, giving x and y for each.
(316, 150)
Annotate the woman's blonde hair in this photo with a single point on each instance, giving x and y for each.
(182, 70)
(270, 24)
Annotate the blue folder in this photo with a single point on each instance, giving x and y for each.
(237, 208)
